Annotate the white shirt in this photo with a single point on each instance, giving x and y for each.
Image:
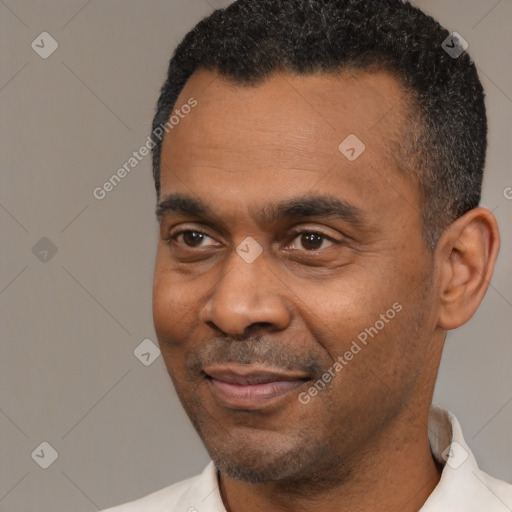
(462, 488)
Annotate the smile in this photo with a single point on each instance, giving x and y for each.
(251, 387)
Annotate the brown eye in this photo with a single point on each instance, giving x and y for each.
(311, 241)
(191, 238)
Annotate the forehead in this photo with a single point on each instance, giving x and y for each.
(289, 135)
(291, 118)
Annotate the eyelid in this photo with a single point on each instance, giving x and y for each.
(181, 229)
(315, 230)
(189, 226)
(173, 236)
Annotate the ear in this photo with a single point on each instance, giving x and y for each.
(465, 255)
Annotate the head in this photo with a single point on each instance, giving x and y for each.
(445, 143)
(318, 207)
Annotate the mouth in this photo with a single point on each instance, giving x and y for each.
(251, 386)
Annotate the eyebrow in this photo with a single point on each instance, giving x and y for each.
(295, 207)
(183, 205)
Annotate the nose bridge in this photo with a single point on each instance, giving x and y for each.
(246, 293)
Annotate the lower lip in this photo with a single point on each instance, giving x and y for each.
(252, 396)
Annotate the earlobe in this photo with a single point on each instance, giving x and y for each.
(466, 255)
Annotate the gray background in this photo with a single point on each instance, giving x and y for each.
(68, 375)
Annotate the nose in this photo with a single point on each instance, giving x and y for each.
(246, 295)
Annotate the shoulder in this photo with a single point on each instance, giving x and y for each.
(497, 493)
(463, 487)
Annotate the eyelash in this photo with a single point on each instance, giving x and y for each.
(295, 233)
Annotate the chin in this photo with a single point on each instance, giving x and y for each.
(260, 456)
(257, 467)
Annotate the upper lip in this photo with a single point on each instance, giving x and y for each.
(245, 375)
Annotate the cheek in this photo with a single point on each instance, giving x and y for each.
(172, 307)
(170, 321)
(367, 321)
(163, 302)
(342, 308)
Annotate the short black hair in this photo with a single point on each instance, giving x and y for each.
(445, 145)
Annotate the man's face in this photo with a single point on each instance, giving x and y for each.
(248, 326)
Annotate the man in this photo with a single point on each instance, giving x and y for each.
(318, 167)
